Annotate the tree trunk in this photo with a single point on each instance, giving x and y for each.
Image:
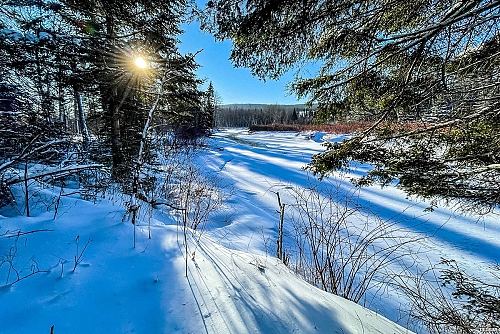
(81, 118)
(113, 108)
(279, 250)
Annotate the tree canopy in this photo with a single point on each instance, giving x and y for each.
(432, 62)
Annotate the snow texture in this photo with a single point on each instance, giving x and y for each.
(234, 283)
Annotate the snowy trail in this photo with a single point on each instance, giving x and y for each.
(255, 168)
(275, 162)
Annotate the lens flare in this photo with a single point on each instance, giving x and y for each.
(141, 62)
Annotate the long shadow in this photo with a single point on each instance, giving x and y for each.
(255, 161)
(257, 164)
(265, 305)
(441, 231)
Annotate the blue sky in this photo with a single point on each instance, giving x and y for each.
(234, 85)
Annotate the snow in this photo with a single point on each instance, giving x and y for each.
(273, 162)
(43, 35)
(8, 33)
(234, 282)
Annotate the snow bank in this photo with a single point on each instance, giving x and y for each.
(118, 289)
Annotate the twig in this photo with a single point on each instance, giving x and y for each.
(20, 233)
(79, 258)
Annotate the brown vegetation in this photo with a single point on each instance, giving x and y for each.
(350, 127)
(339, 128)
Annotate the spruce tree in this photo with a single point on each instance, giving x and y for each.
(210, 107)
(76, 61)
(434, 63)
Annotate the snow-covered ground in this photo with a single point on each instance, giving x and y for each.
(257, 163)
(260, 163)
(234, 283)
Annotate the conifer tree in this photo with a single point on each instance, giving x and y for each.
(210, 107)
(79, 54)
(433, 62)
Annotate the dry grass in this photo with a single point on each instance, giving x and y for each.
(337, 128)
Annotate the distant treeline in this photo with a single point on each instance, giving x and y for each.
(248, 115)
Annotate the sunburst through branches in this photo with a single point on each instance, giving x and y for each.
(130, 69)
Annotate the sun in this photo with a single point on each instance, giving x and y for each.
(141, 62)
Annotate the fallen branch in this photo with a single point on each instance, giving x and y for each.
(59, 173)
(155, 203)
(37, 271)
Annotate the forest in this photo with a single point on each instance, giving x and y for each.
(248, 115)
(78, 82)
